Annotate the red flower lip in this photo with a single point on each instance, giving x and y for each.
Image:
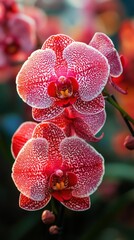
(64, 90)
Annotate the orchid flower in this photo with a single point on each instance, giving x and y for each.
(49, 164)
(64, 73)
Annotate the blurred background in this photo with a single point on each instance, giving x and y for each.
(24, 26)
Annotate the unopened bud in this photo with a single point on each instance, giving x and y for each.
(129, 142)
(48, 217)
(54, 229)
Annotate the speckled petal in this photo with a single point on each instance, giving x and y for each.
(31, 205)
(95, 121)
(103, 43)
(91, 107)
(77, 204)
(84, 125)
(34, 77)
(54, 135)
(64, 122)
(58, 43)
(83, 130)
(28, 170)
(83, 160)
(62, 119)
(21, 136)
(46, 113)
(90, 67)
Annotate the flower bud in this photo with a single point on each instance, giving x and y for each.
(129, 142)
(48, 217)
(54, 230)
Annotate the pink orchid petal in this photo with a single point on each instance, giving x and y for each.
(24, 29)
(58, 43)
(49, 131)
(77, 204)
(91, 107)
(90, 67)
(83, 160)
(95, 121)
(21, 136)
(34, 77)
(103, 43)
(47, 113)
(28, 170)
(63, 122)
(54, 135)
(83, 125)
(31, 205)
(84, 131)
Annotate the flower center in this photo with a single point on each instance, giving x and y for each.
(59, 185)
(58, 180)
(64, 88)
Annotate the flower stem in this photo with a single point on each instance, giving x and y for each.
(125, 119)
(112, 100)
(60, 221)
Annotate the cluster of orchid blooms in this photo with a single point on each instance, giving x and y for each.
(17, 37)
(63, 83)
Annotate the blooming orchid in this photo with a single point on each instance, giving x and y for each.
(49, 164)
(63, 73)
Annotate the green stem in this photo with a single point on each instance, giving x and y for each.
(60, 221)
(59, 210)
(110, 99)
(125, 119)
